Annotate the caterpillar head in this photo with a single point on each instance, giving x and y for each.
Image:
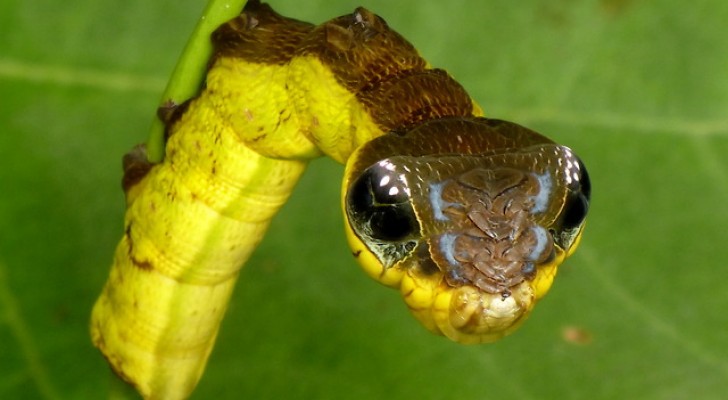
(471, 232)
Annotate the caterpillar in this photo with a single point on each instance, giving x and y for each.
(468, 217)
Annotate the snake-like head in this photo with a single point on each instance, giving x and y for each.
(468, 217)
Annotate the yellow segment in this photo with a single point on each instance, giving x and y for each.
(190, 225)
(259, 108)
(329, 113)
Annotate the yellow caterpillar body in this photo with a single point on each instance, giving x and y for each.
(280, 92)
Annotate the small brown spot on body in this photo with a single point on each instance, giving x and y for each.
(248, 114)
(143, 265)
(169, 113)
(165, 111)
(284, 116)
(135, 166)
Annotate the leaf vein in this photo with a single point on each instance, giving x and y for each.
(78, 77)
(657, 323)
(618, 122)
(20, 331)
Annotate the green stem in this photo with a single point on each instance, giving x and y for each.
(187, 76)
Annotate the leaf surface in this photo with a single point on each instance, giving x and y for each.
(637, 89)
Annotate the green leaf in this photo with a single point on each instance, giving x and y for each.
(638, 89)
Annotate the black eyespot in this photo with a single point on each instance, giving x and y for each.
(584, 181)
(577, 204)
(574, 211)
(378, 204)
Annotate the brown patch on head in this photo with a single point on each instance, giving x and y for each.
(453, 135)
(491, 245)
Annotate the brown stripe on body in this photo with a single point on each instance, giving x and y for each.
(410, 100)
(259, 35)
(385, 71)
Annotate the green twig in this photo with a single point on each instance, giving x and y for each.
(187, 76)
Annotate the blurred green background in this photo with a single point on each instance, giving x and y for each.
(638, 88)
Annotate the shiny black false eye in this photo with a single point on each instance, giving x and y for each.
(576, 206)
(378, 204)
(575, 211)
(577, 202)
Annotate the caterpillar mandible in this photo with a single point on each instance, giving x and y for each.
(468, 217)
